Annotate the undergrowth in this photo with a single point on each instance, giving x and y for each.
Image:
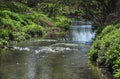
(19, 22)
(106, 49)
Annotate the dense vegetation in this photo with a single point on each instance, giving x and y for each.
(105, 51)
(19, 22)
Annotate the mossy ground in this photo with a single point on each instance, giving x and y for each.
(106, 49)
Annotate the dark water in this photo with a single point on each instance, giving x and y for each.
(50, 59)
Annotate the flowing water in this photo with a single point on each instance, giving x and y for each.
(50, 59)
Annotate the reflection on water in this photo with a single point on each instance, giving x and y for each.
(49, 59)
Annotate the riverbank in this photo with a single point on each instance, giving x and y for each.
(105, 50)
(18, 22)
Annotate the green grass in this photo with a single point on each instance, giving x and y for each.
(106, 49)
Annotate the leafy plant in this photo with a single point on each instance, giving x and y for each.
(33, 30)
(106, 49)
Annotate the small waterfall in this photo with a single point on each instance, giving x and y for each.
(82, 32)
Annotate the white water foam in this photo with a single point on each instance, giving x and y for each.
(52, 49)
(65, 44)
(21, 48)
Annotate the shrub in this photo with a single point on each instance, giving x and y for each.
(116, 68)
(11, 20)
(62, 22)
(33, 30)
(14, 7)
(95, 48)
(106, 48)
(3, 42)
(6, 34)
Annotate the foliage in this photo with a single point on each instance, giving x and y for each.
(95, 10)
(11, 20)
(106, 49)
(33, 30)
(52, 9)
(62, 22)
(12, 23)
(117, 68)
(20, 22)
(3, 42)
(14, 7)
(6, 34)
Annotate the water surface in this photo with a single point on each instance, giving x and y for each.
(50, 59)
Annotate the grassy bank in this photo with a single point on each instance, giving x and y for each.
(19, 22)
(105, 50)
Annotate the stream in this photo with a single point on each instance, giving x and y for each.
(51, 59)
